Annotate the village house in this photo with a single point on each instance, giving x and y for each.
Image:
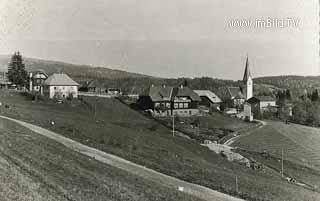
(208, 98)
(261, 104)
(235, 97)
(60, 86)
(96, 86)
(167, 101)
(36, 81)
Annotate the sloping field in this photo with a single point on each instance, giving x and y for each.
(33, 167)
(300, 144)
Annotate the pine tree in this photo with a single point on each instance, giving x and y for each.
(288, 94)
(315, 95)
(16, 70)
(185, 83)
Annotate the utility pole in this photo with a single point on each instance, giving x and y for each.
(282, 162)
(172, 124)
(237, 189)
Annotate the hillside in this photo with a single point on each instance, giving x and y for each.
(300, 145)
(130, 135)
(297, 84)
(76, 71)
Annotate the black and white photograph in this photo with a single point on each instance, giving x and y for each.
(159, 100)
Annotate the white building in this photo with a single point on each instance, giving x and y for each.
(247, 79)
(60, 86)
(36, 80)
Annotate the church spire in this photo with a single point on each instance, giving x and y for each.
(247, 72)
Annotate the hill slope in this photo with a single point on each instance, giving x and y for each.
(76, 71)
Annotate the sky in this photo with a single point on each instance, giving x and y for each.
(167, 38)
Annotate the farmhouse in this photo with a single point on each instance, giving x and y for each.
(235, 97)
(96, 86)
(60, 86)
(166, 101)
(208, 98)
(36, 81)
(260, 104)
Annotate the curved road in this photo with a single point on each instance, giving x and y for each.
(233, 139)
(174, 183)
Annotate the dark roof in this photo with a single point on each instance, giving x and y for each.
(247, 72)
(235, 92)
(60, 79)
(187, 92)
(261, 99)
(163, 93)
(158, 93)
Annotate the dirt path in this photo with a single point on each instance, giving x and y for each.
(233, 139)
(189, 188)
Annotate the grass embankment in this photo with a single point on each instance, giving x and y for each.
(115, 128)
(36, 168)
(300, 145)
(213, 127)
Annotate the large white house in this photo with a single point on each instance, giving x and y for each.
(60, 86)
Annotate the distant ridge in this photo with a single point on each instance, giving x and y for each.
(74, 70)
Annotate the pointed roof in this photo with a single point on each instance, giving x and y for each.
(235, 93)
(60, 79)
(167, 93)
(247, 72)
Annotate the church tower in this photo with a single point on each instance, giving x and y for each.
(247, 79)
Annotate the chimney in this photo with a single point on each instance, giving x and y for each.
(164, 86)
(152, 85)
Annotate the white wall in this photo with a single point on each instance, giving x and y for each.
(267, 103)
(249, 88)
(63, 91)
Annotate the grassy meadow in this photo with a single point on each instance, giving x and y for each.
(111, 126)
(36, 168)
(300, 145)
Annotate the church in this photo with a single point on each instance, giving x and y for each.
(237, 96)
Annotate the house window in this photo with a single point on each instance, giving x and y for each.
(156, 104)
(185, 105)
(180, 105)
(167, 105)
(176, 106)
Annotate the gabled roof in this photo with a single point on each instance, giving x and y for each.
(165, 93)
(60, 79)
(247, 72)
(158, 93)
(187, 92)
(235, 92)
(39, 74)
(261, 99)
(209, 94)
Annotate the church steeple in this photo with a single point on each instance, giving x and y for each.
(247, 79)
(247, 72)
